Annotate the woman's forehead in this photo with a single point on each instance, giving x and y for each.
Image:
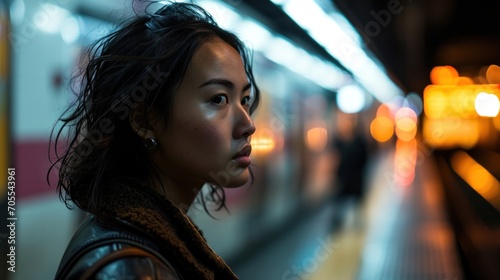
(216, 59)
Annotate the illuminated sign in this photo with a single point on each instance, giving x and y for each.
(457, 112)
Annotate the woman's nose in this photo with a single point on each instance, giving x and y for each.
(245, 126)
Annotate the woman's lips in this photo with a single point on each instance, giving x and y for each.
(243, 161)
(242, 158)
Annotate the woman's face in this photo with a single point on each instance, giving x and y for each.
(207, 139)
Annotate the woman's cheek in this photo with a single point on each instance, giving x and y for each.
(211, 126)
(209, 134)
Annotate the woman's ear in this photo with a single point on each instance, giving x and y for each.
(140, 122)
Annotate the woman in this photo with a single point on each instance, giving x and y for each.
(164, 109)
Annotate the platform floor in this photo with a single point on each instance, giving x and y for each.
(396, 233)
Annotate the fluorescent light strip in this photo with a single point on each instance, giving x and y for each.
(341, 45)
(277, 48)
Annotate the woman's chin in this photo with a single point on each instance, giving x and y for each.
(238, 182)
(231, 180)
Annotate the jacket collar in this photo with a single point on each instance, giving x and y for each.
(180, 241)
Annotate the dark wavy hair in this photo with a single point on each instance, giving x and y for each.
(137, 67)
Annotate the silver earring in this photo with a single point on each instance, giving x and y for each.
(150, 144)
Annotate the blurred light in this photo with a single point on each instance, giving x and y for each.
(317, 138)
(382, 129)
(262, 141)
(70, 31)
(50, 18)
(487, 105)
(435, 103)
(493, 74)
(323, 73)
(452, 108)
(262, 145)
(441, 101)
(279, 2)
(276, 48)
(17, 10)
(406, 124)
(342, 45)
(406, 129)
(444, 75)
(351, 99)
(415, 102)
(405, 112)
(451, 132)
(257, 36)
(319, 24)
(496, 123)
(464, 81)
(478, 177)
(405, 159)
(384, 111)
(395, 103)
(345, 25)
(223, 15)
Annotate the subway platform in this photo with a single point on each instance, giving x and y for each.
(395, 233)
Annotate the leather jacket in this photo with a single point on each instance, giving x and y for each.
(113, 250)
(139, 234)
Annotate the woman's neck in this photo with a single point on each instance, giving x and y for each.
(181, 194)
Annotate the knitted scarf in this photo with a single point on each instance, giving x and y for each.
(181, 241)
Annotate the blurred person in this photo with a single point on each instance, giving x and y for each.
(350, 148)
(165, 108)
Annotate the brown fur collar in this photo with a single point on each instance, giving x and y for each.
(181, 242)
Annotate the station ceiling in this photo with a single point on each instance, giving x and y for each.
(411, 36)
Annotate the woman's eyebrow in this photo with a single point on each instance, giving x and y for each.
(222, 82)
(225, 83)
(246, 87)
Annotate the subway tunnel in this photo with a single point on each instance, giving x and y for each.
(376, 154)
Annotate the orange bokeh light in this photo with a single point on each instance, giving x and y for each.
(480, 179)
(382, 129)
(263, 141)
(406, 124)
(406, 112)
(317, 138)
(405, 159)
(384, 111)
(406, 129)
(444, 75)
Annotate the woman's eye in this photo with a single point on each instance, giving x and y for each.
(219, 99)
(245, 101)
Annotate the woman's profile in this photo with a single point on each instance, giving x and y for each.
(165, 103)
